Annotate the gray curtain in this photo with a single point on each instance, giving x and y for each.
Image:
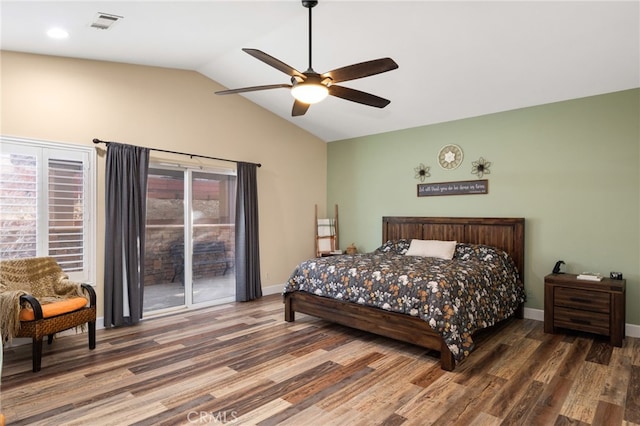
(126, 202)
(248, 285)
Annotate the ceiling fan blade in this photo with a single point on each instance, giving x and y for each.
(363, 69)
(358, 96)
(299, 108)
(252, 89)
(276, 63)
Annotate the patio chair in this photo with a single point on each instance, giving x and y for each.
(37, 299)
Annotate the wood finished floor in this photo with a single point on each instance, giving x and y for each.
(240, 363)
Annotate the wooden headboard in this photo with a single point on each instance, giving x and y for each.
(504, 233)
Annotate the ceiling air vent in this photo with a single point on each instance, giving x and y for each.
(104, 21)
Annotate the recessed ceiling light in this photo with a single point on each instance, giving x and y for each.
(58, 33)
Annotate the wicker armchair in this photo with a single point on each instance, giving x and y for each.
(44, 302)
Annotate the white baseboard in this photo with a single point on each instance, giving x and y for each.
(632, 330)
(272, 289)
(18, 341)
(534, 314)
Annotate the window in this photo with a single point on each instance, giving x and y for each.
(47, 204)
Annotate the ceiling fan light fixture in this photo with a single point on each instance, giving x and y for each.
(309, 93)
(309, 87)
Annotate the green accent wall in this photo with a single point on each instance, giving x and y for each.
(571, 169)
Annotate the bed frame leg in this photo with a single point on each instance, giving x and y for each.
(447, 362)
(289, 313)
(520, 311)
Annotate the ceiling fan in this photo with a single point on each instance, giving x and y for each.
(309, 87)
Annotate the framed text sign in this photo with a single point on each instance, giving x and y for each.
(453, 188)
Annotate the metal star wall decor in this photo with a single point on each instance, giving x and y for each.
(480, 167)
(422, 172)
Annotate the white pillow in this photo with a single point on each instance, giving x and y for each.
(432, 248)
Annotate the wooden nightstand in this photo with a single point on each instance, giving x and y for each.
(590, 306)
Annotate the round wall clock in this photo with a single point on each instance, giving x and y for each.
(450, 157)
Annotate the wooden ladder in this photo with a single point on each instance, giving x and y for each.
(327, 244)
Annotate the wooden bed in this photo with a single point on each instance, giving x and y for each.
(504, 233)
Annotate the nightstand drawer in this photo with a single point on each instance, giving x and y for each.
(587, 300)
(591, 322)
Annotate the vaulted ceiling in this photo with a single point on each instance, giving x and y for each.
(457, 59)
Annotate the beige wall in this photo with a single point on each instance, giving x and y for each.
(74, 101)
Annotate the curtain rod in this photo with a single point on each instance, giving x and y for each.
(184, 153)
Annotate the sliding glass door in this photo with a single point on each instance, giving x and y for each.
(190, 238)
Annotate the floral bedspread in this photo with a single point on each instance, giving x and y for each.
(479, 287)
